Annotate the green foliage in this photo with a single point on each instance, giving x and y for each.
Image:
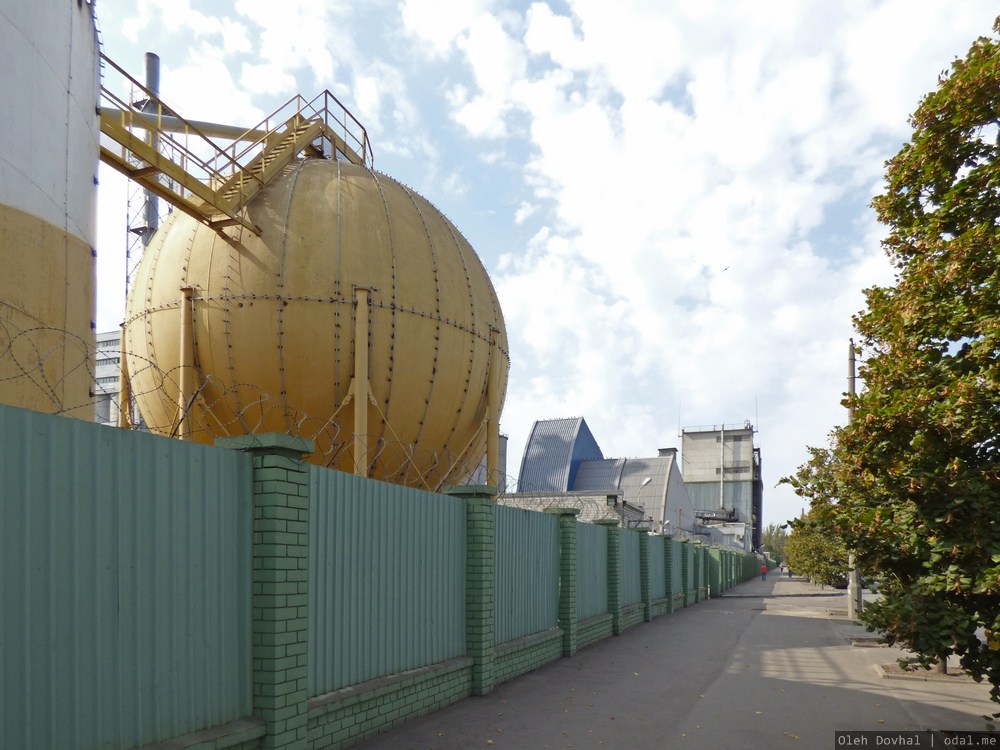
(773, 539)
(912, 484)
(815, 549)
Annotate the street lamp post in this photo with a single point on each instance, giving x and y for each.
(638, 497)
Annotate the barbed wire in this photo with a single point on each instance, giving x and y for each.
(50, 369)
(57, 371)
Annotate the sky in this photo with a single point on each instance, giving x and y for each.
(671, 197)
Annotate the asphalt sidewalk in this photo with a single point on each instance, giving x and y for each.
(772, 663)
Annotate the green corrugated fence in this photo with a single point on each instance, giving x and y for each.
(386, 579)
(527, 573)
(154, 590)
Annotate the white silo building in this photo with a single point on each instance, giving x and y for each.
(49, 149)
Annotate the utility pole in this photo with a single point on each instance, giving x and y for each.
(854, 601)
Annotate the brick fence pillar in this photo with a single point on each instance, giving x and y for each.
(567, 577)
(715, 573)
(699, 571)
(645, 590)
(614, 575)
(706, 570)
(668, 570)
(686, 571)
(280, 585)
(480, 566)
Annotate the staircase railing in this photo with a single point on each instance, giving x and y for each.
(177, 160)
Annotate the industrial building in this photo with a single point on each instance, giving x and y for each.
(721, 468)
(562, 459)
(107, 377)
(715, 492)
(48, 173)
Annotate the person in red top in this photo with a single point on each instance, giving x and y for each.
(763, 571)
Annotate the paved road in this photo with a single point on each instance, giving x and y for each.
(770, 664)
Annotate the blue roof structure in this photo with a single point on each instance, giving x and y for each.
(562, 456)
(553, 454)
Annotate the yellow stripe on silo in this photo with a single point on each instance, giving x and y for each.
(46, 289)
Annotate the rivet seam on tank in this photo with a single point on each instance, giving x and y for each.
(392, 316)
(232, 268)
(148, 323)
(325, 300)
(185, 282)
(460, 243)
(336, 283)
(437, 329)
(294, 177)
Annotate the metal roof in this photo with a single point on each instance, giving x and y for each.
(599, 475)
(554, 451)
(593, 506)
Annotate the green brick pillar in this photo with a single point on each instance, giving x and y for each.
(280, 585)
(645, 590)
(480, 566)
(567, 577)
(686, 571)
(715, 573)
(706, 571)
(614, 575)
(698, 571)
(668, 570)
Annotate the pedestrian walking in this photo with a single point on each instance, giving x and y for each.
(763, 571)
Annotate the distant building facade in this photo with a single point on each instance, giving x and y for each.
(107, 367)
(593, 507)
(562, 461)
(722, 471)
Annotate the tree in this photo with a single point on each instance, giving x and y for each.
(814, 549)
(774, 538)
(913, 481)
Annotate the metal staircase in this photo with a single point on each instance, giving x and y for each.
(278, 150)
(212, 171)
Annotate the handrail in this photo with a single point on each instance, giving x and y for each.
(207, 180)
(297, 105)
(130, 115)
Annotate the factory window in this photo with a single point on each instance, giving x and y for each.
(733, 469)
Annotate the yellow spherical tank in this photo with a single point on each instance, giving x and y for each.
(276, 321)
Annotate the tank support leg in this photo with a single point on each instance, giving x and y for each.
(361, 327)
(493, 416)
(186, 390)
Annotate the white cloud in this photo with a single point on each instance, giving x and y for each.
(267, 78)
(224, 101)
(178, 17)
(697, 175)
(298, 34)
(440, 23)
(691, 187)
(524, 212)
